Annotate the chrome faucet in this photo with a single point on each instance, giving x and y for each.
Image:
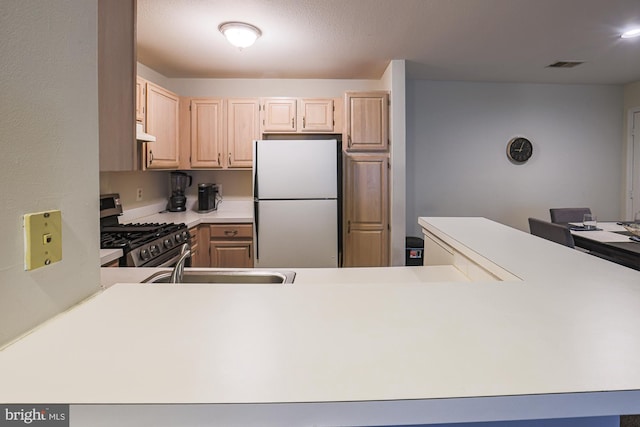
(178, 271)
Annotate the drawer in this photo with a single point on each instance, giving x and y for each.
(231, 231)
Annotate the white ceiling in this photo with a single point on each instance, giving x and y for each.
(475, 40)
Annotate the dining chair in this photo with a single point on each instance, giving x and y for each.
(564, 215)
(550, 231)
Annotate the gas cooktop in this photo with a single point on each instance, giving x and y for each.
(143, 245)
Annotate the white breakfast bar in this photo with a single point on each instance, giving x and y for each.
(531, 330)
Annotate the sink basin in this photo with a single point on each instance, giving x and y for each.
(226, 276)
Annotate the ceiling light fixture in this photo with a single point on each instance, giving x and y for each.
(239, 34)
(631, 33)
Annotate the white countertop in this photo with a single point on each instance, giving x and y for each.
(108, 255)
(566, 336)
(229, 211)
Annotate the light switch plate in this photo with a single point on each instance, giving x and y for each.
(42, 239)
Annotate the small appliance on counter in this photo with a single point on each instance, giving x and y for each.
(208, 197)
(179, 183)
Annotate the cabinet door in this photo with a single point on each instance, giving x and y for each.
(367, 121)
(162, 122)
(207, 133)
(231, 254)
(317, 115)
(141, 89)
(366, 229)
(231, 245)
(243, 127)
(278, 114)
(199, 246)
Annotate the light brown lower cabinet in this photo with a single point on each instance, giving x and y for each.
(366, 210)
(231, 245)
(195, 248)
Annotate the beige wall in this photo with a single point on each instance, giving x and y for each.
(631, 101)
(632, 95)
(394, 81)
(49, 139)
(235, 184)
(252, 88)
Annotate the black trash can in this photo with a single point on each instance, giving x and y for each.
(414, 251)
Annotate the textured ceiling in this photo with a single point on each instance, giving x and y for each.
(475, 40)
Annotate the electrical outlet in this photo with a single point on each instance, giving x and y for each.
(139, 194)
(42, 238)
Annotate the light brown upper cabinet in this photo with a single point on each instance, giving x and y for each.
(222, 132)
(141, 90)
(367, 121)
(207, 133)
(279, 115)
(316, 115)
(162, 122)
(298, 115)
(243, 127)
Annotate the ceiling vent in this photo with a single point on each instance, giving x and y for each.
(565, 64)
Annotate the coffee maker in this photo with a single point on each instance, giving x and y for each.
(208, 197)
(179, 183)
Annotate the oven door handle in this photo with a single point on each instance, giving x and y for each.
(171, 262)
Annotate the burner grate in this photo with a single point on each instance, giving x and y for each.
(131, 236)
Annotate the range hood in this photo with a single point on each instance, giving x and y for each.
(141, 135)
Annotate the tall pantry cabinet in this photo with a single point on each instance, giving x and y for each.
(366, 180)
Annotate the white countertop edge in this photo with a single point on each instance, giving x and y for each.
(108, 255)
(393, 412)
(229, 211)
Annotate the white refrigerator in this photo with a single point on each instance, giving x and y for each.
(296, 203)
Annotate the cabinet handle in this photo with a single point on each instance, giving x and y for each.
(293, 124)
(219, 162)
(348, 227)
(230, 232)
(304, 123)
(349, 141)
(150, 156)
(229, 158)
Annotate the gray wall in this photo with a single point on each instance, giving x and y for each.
(457, 134)
(49, 140)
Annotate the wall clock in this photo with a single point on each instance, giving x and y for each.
(519, 150)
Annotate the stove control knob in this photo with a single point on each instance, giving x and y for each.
(144, 254)
(185, 236)
(179, 238)
(154, 249)
(168, 243)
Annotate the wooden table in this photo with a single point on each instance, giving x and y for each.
(611, 242)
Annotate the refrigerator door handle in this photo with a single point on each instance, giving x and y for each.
(255, 169)
(257, 222)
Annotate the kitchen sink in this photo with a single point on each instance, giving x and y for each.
(226, 276)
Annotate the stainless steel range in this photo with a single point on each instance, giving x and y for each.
(143, 245)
